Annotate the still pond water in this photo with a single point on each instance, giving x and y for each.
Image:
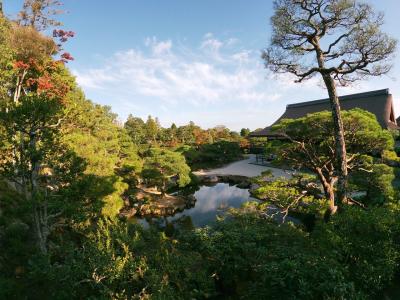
(211, 201)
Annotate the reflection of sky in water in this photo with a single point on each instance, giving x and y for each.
(211, 200)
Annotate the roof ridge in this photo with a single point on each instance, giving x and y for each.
(344, 97)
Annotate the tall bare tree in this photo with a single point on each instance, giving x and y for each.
(39, 14)
(339, 39)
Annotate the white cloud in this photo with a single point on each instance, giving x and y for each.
(217, 82)
(211, 44)
(94, 78)
(242, 56)
(158, 47)
(180, 76)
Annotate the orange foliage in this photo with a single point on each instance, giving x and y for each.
(201, 136)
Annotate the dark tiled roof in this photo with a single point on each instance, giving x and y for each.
(378, 102)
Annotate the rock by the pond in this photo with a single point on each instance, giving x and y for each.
(244, 185)
(241, 181)
(160, 209)
(211, 179)
(128, 213)
(147, 202)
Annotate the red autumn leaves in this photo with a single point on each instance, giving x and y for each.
(21, 65)
(65, 57)
(63, 36)
(39, 75)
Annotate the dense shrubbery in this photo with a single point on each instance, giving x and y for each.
(353, 256)
(253, 258)
(212, 155)
(377, 184)
(366, 243)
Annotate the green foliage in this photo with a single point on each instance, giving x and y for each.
(212, 155)
(124, 261)
(29, 123)
(114, 202)
(152, 133)
(363, 135)
(162, 165)
(130, 164)
(91, 131)
(391, 158)
(151, 129)
(300, 194)
(272, 147)
(366, 243)
(310, 143)
(377, 181)
(255, 259)
(135, 128)
(244, 132)
(245, 256)
(6, 59)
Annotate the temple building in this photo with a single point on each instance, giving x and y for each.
(378, 102)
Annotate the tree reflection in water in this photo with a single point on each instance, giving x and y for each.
(211, 202)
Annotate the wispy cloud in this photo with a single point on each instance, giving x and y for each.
(216, 82)
(158, 47)
(160, 70)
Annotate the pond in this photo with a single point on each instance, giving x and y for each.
(211, 201)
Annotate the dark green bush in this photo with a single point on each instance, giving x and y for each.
(123, 261)
(252, 258)
(354, 256)
(377, 181)
(365, 243)
(212, 155)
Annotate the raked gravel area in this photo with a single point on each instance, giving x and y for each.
(244, 168)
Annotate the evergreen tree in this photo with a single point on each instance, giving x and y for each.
(136, 129)
(311, 144)
(161, 166)
(244, 132)
(152, 128)
(340, 40)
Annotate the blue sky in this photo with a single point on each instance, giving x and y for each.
(184, 60)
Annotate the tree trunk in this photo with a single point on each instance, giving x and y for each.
(41, 228)
(39, 206)
(340, 145)
(341, 157)
(18, 140)
(163, 188)
(18, 87)
(329, 192)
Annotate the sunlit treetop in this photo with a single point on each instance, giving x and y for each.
(39, 14)
(343, 36)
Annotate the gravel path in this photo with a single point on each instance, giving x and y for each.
(244, 168)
